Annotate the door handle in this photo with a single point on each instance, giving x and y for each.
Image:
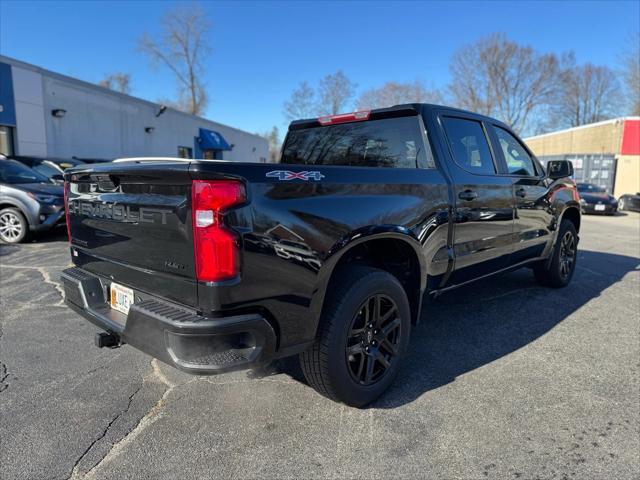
(521, 193)
(468, 195)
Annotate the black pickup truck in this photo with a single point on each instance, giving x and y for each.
(214, 266)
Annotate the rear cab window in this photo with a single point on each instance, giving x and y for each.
(390, 142)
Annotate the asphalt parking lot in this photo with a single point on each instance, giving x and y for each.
(504, 380)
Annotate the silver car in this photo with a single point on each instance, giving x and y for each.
(29, 202)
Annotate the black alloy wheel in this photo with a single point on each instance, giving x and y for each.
(374, 339)
(362, 336)
(567, 254)
(558, 270)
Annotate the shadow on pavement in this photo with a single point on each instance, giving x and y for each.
(473, 326)
(56, 235)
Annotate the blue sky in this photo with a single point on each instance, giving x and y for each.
(262, 50)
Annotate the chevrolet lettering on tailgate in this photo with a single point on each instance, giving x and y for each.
(119, 213)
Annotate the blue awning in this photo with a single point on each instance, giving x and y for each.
(210, 140)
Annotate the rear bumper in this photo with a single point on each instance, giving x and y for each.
(172, 333)
(590, 208)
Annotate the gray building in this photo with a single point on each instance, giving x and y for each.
(43, 113)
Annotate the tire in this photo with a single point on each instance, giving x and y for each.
(14, 227)
(557, 272)
(621, 205)
(352, 361)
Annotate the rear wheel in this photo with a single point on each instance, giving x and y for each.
(13, 225)
(559, 270)
(362, 337)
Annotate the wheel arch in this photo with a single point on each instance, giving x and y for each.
(8, 202)
(392, 249)
(572, 213)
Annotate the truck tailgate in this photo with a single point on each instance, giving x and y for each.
(131, 223)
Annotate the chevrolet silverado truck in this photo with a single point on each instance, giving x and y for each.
(213, 266)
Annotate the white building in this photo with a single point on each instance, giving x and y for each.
(43, 113)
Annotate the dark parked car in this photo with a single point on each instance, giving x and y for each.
(212, 266)
(29, 202)
(595, 199)
(45, 166)
(59, 163)
(629, 201)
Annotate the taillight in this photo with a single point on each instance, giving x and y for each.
(66, 209)
(215, 245)
(345, 117)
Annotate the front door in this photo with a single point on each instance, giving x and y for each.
(484, 206)
(534, 218)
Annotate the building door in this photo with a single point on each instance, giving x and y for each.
(6, 141)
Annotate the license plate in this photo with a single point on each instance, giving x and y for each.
(121, 298)
(600, 208)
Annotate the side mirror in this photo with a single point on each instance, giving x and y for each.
(559, 169)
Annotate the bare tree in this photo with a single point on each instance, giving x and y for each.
(120, 82)
(631, 65)
(273, 137)
(302, 103)
(394, 93)
(182, 48)
(498, 77)
(335, 91)
(587, 93)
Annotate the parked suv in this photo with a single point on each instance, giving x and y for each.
(29, 202)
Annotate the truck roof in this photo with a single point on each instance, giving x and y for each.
(400, 110)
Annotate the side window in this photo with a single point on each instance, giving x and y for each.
(469, 145)
(518, 160)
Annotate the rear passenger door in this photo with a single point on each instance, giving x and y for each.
(484, 203)
(533, 216)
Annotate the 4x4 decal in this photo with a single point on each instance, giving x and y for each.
(289, 175)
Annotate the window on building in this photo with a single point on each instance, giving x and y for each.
(211, 154)
(185, 152)
(518, 160)
(469, 145)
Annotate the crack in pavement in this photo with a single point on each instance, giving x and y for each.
(4, 372)
(47, 279)
(75, 470)
(150, 417)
